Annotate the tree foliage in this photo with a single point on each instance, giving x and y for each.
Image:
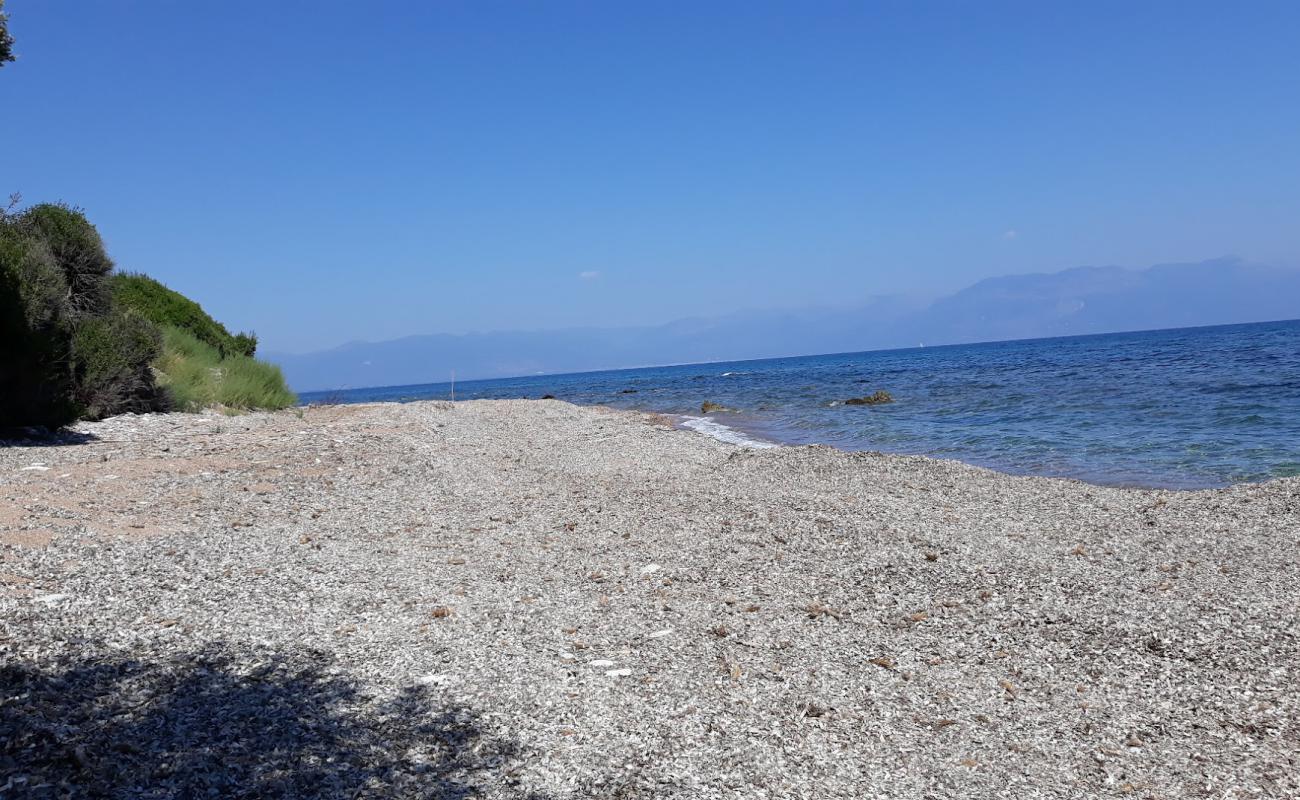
(6, 41)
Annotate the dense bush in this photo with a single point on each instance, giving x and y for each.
(79, 252)
(112, 357)
(245, 344)
(77, 341)
(36, 382)
(167, 308)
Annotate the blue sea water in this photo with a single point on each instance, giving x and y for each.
(1184, 408)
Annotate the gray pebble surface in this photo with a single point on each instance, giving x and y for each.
(530, 599)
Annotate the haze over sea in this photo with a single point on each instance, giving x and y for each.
(1181, 408)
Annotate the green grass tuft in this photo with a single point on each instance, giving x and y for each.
(197, 377)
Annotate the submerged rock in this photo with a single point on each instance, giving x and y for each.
(708, 407)
(879, 398)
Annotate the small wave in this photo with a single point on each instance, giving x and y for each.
(730, 374)
(723, 433)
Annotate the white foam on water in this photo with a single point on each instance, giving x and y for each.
(723, 433)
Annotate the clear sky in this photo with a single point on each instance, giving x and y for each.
(325, 171)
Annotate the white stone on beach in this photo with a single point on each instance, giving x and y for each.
(619, 673)
(659, 634)
(51, 599)
(35, 468)
(649, 568)
(601, 662)
(433, 679)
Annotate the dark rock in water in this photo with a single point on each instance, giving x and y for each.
(628, 391)
(548, 397)
(879, 398)
(708, 406)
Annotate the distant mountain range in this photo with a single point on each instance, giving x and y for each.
(1075, 301)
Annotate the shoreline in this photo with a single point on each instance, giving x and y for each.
(708, 426)
(733, 433)
(517, 597)
(1108, 419)
(703, 425)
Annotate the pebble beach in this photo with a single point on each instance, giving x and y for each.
(532, 599)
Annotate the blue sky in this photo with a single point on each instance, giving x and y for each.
(322, 172)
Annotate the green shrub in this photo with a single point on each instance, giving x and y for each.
(77, 249)
(39, 286)
(168, 308)
(78, 341)
(112, 357)
(245, 344)
(197, 376)
(66, 352)
(36, 382)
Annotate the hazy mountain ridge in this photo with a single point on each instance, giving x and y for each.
(1075, 301)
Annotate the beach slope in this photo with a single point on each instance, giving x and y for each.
(533, 599)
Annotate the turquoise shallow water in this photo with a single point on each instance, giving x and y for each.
(1184, 408)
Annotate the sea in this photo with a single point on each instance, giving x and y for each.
(1185, 408)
